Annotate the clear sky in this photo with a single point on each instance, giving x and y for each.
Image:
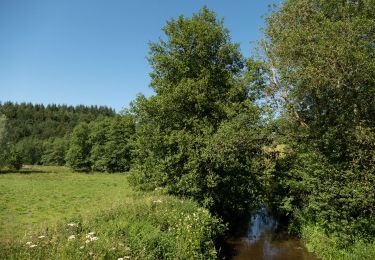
(93, 52)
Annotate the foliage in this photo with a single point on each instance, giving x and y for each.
(78, 154)
(14, 159)
(2, 142)
(31, 150)
(198, 136)
(110, 140)
(55, 150)
(103, 145)
(320, 57)
(3, 120)
(329, 247)
(28, 126)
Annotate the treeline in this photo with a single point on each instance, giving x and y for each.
(38, 134)
(294, 129)
(103, 145)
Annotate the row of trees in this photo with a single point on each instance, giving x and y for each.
(102, 145)
(38, 134)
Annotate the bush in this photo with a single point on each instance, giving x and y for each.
(14, 158)
(330, 247)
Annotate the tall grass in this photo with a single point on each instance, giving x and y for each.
(137, 226)
(330, 247)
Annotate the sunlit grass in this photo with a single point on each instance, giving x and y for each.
(41, 196)
(52, 213)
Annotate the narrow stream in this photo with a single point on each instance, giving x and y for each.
(263, 240)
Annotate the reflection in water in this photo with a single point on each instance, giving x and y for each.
(260, 222)
(263, 241)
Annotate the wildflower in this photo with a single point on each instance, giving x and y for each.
(28, 243)
(120, 258)
(32, 246)
(81, 247)
(40, 237)
(126, 257)
(88, 241)
(91, 234)
(71, 237)
(72, 225)
(157, 201)
(91, 253)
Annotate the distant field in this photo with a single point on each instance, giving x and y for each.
(41, 196)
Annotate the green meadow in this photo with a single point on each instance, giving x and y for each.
(51, 212)
(40, 196)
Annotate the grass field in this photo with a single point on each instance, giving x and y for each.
(41, 196)
(52, 213)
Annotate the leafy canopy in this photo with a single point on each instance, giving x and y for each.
(197, 135)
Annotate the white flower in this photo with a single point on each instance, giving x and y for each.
(72, 225)
(94, 238)
(91, 234)
(32, 246)
(40, 237)
(87, 241)
(28, 243)
(126, 257)
(120, 258)
(71, 237)
(157, 201)
(81, 247)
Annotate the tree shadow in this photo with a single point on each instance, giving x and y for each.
(22, 171)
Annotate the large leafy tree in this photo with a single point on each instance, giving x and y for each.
(197, 136)
(111, 142)
(55, 151)
(321, 56)
(78, 154)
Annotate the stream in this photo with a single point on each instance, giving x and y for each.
(264, 241)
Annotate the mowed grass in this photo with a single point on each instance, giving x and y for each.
(41, 196)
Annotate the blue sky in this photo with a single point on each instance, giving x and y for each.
(93, 52)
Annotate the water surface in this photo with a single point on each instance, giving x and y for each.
(264, 240)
